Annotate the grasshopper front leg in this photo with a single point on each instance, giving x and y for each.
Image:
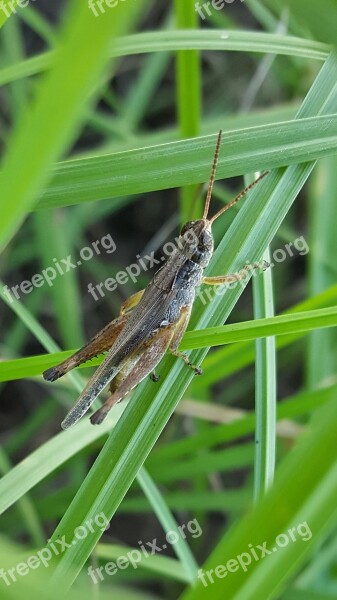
(231, 277)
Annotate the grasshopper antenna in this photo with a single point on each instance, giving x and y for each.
(212, 179)
(239, 196)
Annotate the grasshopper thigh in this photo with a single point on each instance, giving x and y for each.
(124, 372)
(100, 343)
(136, 369)
(180, 327)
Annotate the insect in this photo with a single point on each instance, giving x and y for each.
(153, 320)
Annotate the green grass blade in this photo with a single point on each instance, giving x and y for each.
(49, 457)
(38, 140)
(322, 345)
(319, 19)
(7, 11)
(160, 565)
(265, 387)
(188, 162)
(207, 39)
(34, 326)
(34, 19)
(25, 507)
(188, 82)
(27, 318)
(13, 51)
(188, 66)
(143, 89)
(294, 324)
(168, 523)
(230, 501)
(260, 328)
(54, 237)
(229, 459)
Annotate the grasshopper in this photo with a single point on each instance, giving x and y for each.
(153, 320)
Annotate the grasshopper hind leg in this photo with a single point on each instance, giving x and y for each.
(100, 343)
(180, 330)
(144, 362)
(135, 370)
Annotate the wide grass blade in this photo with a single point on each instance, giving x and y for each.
(320, 18)
(52, 122)
(187, 162)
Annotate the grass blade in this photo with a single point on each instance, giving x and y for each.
(288, 324)
(64, 95)
(265, 387)
(188, 82)
(207, 39)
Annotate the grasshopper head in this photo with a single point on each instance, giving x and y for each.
(198, 243)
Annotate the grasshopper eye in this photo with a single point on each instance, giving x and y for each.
(186, 227)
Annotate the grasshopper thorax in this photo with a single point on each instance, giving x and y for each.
(197, 241)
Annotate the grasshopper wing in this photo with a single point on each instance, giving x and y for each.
(102, 376)
(143, 321)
